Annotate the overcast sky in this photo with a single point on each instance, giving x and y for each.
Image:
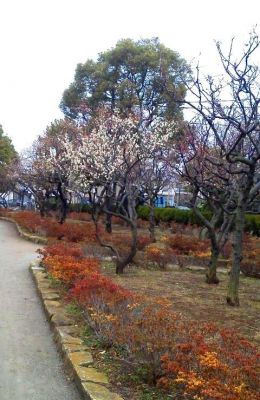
(43, 40)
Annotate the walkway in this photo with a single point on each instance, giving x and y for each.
(30, 367)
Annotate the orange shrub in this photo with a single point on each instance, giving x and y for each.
(68, 269)
(159, 256)
(212, 365)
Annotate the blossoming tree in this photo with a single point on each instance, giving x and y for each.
(106, 167)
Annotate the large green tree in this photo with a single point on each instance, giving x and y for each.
(135, 76)
(7, 155)
(7, 151)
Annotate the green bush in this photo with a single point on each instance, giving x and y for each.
(168, 214)
(252, 224)
(143, 212)
(79, 207)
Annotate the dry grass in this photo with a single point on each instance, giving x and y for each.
(197, 300)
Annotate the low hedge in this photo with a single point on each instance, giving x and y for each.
(169, 214)
(78, 207)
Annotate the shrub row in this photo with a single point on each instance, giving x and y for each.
(71, 232)
(167, 214)
(188, 360)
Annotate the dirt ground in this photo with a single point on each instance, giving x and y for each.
(195, 299)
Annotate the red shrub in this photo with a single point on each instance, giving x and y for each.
(142, 242)
(79, 216)
(250, 264)
(71, 232)
(98, 287)
(142, 224)
(118, 221)
(78, 232)
(120, 240)
(187, 245)
(4, 212)
(62, 249)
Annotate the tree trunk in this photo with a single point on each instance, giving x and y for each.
(121, 263)
(108, 217)
(63, 213)
(42, 211)
(152, 222)
(232, 294)
(108, 223)
(41, 206)
(63, 205)
(211, 274)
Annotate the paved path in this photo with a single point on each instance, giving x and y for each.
(30, 367)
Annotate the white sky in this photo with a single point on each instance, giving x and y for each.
(43, 40)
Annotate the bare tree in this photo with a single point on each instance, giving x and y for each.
(155, 175)
(229, 110)
(30, 173)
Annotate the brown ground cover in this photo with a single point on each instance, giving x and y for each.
(197, 300)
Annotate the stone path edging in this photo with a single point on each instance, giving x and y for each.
(92, 384)
(27, 236)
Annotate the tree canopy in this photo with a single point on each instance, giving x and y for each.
(7, 155)
(133, 77)
(7, 151)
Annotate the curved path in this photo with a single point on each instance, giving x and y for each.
(30, 367)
